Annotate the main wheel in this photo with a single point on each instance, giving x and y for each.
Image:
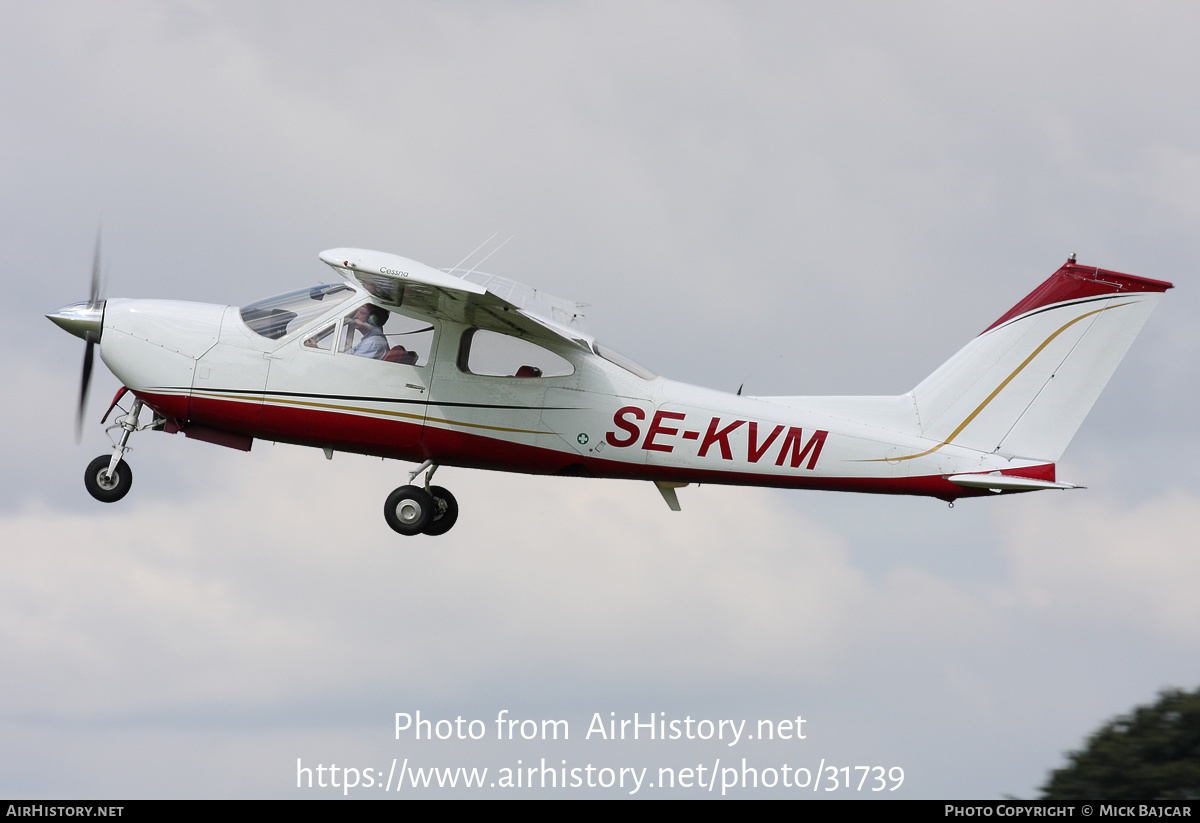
(408, 510)
(445, 511)
(105, 487)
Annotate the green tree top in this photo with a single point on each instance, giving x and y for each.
(1153, 753)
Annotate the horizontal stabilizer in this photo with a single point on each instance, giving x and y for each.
(1007, 482)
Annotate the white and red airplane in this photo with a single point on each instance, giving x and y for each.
(460, 368)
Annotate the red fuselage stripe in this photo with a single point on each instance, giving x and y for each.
(365, 434)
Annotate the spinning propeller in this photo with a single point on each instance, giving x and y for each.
(84, 320)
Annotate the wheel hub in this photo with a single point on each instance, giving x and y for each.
(408, 512)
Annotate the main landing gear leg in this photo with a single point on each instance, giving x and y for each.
(430, 510)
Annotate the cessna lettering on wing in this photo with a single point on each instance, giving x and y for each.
(667, 427)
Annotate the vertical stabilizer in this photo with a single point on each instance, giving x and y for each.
(1022, 387)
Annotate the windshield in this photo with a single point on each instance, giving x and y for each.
(278, 316)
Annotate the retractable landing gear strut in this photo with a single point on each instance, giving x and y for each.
(430, 510)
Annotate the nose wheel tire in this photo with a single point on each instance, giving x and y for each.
(445, 511)
(105, 487)
(408, 510)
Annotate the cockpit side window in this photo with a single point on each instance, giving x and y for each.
(373, 332)
(323, 339)
(493, 354)
(276, 317)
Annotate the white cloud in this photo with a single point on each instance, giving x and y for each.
(1090, 561)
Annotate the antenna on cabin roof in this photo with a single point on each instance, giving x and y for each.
(477, 248)
(489, 254)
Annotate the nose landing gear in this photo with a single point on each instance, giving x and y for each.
(412, 510)
(109, 477)
(105, 483)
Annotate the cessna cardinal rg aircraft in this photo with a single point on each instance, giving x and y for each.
(459, 368)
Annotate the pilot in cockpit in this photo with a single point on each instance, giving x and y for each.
(368, 320)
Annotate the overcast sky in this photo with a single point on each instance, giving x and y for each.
(808, 199)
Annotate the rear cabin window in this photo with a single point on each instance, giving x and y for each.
(493, 354)
(624, 362)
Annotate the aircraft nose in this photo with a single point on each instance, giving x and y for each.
(84, 320)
